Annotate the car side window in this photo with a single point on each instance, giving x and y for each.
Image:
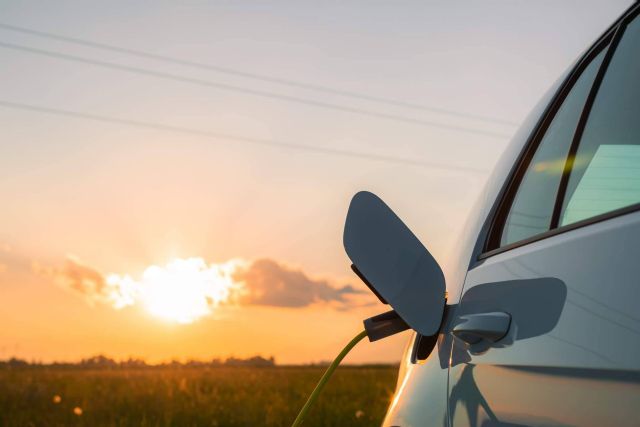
(532, 207)
(606, 167)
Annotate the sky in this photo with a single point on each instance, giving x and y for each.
(187, 200)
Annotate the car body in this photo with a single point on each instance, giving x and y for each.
(555, 244)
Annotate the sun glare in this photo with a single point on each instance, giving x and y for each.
(182, 291)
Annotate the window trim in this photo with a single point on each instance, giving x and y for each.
(560, 230)
(609, 42)
(582, 123)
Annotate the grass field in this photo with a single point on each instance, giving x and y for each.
(219, 396)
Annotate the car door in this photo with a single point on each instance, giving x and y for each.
(547, 332)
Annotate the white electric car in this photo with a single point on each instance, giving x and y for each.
(540, 322)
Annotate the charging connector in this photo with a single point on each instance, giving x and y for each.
(384, 325)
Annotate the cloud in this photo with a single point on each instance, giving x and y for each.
(186, 289)
(86, 281)
(267, 282)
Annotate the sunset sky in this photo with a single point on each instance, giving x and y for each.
(157, 209)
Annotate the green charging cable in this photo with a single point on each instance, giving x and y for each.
(325, 378)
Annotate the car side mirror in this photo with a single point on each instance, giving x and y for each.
(390, 259)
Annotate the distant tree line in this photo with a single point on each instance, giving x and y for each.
(104, 362)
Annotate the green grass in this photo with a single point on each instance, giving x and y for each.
(219, 396)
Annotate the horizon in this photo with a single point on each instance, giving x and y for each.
(102, 360)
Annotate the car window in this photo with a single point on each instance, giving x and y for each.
(533, 204)
(606, 171)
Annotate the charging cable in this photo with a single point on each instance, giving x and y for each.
(376, 328)
(323, 381)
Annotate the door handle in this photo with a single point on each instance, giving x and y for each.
(491, 327)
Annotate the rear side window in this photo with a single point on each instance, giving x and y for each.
(606, 168)
(533, 204)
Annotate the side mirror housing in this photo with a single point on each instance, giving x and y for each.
(390, 259)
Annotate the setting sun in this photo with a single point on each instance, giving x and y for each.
(182, 291)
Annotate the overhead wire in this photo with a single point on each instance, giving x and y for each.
(224, 86)
(251, 75)
(256, 92)
(238, 138)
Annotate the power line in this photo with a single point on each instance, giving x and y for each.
(261, 77)
(243, 139)
(255, 92)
